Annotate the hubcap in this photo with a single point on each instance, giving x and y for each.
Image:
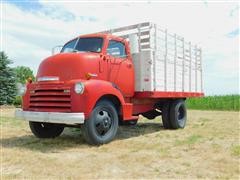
(103, 122)
(180, 113)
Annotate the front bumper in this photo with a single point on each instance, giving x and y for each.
(51, 117)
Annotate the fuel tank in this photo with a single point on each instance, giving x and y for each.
(70, 66)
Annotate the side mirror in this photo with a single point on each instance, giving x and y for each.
(56, 49)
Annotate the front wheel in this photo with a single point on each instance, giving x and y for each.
(102, 125)
(46, 130)
(178, 114)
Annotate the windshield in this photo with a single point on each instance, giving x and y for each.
(93, 44)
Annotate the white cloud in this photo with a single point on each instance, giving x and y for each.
(30, 35)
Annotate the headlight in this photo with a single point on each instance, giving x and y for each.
(79, 88)
(21, 89)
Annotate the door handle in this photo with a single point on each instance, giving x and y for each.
(129, 65)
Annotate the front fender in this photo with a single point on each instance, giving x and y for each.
(94, 90)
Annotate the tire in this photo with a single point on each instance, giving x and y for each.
(178, 114)
(166, 116)
(129, 122)
(46, 130)
(102, 125)
(151, 114)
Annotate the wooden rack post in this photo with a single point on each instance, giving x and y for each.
(183, 66)
(196, 68)
(175, 62)
(165, 61)
(190, 67)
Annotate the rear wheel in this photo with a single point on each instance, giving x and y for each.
(102, 125)
(178, 114)
(166, 116)
(45, 130)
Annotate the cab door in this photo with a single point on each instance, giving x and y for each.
(120, 69)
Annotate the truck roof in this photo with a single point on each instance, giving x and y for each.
(103, 35)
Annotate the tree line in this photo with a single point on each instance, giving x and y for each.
(9, 77)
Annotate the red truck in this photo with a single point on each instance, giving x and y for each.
(101, 80)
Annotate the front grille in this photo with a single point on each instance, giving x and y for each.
(50, 99)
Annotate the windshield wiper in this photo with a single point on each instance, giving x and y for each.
(74, 50)
(91, 51)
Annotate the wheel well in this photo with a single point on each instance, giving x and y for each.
(162, 102)
(113, 99)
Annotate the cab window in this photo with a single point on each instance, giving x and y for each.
(86, 44)
(116, 49)
(69, 47)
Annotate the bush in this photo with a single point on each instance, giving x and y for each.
(7, 80)
(17, 101)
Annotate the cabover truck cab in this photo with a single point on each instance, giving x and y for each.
(100, 81)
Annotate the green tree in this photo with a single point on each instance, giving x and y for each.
(23, 73)
(7, 80)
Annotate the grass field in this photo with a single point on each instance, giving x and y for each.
(225, 102)
(208, 147)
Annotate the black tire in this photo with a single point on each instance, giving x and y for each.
(129, 122)
(178, 114)
(166, 116)
(151, 114)
(46, 130)
(102, 125)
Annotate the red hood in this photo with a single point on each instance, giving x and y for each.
(69, 66)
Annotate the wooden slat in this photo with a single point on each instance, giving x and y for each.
(175, 62)
(165, 62)
(144, 33)
(147, 46)
(145, 40)
(201, 76)
(126, 28)
(183, 67)
(190, 67)
(196, 71)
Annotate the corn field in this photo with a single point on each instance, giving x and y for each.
(225, 102)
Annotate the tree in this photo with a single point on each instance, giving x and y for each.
(7, 80)
(23, 73)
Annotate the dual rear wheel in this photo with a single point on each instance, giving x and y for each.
(174, 114)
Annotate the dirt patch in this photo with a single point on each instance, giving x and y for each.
(207, 148)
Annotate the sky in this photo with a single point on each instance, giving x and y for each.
(29, 30)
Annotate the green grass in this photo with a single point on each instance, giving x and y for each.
(225, 102)
(189, 140)
(236, 150)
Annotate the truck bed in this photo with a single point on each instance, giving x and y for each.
(166, 94)
(166, 65)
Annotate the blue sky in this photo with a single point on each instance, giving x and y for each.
(31, 28)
